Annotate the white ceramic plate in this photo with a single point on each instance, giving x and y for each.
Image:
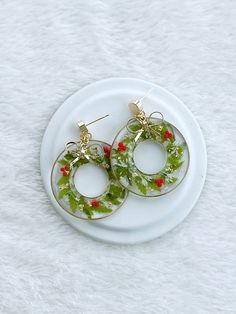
(139, 219)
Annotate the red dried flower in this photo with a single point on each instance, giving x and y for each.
(107, 151)
(168, 135)
(121, 146)
(65, 170)
(159, 182)
(95, 203)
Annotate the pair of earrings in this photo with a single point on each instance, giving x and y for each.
(117, 159)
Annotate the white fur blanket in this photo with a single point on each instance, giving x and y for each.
(49, 49)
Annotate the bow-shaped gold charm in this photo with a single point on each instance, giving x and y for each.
(82, 149)
(140, 116)
(79, 149)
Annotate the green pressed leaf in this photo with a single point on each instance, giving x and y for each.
(62, 193)
(123, 156)
(180, 148)
(88, 212)
(83, 201)
(135, 127)
(170, 148)
(127, 140)
(175, 150)
(69, 156)
(146, 135)
(81, 162)
(152, 185)
(63, 180)
(98, 159)
(116, 190)
(177, 165)
(155, 127)
(168, 170)
(173, 159)
(110, 173)
(111, 199)
(85, 206)
(163, 128)
(63, 162)
(122, 194)
(155, 134)
(73, 203)
(171, 180)
(121, 171)
(102, 209)
(140, 185)
(114, 194)
(173, 167)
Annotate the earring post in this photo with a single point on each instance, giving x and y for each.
(145, 95)
(107, 115)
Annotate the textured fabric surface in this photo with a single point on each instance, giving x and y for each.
(50, 49)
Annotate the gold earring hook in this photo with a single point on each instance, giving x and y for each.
(82, 145)
(136, 105)
(85, 135)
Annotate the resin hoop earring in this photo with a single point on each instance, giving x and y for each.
(63, 172)
(140, 129)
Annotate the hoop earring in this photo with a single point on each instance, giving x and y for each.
(64, 168)
(137, 130)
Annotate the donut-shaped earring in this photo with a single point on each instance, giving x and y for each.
(140, 129)
(75, 155)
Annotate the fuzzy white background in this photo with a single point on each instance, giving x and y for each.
(50, 49)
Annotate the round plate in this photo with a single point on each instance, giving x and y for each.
(139, 219)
